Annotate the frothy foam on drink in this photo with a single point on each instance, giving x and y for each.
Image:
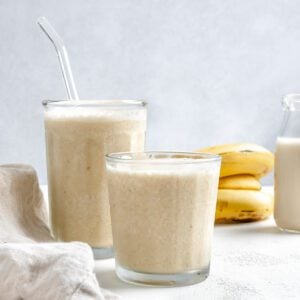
(147, 168)
(94, 113)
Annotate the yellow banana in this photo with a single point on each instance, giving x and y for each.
(240, 182)
(243, 205)
(243, 159)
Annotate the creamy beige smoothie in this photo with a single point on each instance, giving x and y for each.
(163, 215)
(77, 138)
(287, 184)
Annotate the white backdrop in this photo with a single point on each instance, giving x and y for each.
(212, 71)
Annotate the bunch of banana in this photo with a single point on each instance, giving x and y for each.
(240, 197)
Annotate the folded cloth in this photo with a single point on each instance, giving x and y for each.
(32, 265)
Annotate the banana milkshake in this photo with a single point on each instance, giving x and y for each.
(287, 188)
(287, 167)
(163, 209)
(78, 135)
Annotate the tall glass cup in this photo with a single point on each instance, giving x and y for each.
(163, 209)
(78, 135)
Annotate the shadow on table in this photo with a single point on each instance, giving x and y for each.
(109, 280)
(271, 229)
(251, 227)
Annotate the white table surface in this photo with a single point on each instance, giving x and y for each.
(249, 261)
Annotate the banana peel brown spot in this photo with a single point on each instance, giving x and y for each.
(222, 205)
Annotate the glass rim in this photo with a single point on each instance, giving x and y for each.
(115, 103)
(137, 157)
(290, 100)
(291, 95)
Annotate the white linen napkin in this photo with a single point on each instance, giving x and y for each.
(32, 265)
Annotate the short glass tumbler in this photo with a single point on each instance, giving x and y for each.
(78, 135)
(163, 208)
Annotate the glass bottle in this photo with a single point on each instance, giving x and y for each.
(287, 167)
